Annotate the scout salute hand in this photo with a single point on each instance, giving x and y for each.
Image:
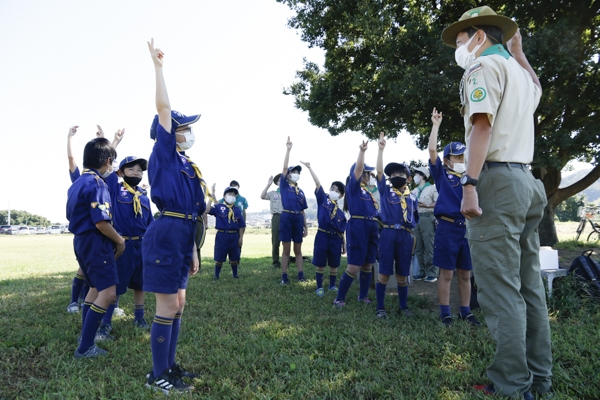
(100, 133)
(436, 117)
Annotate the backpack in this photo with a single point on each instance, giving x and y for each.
(587, 270)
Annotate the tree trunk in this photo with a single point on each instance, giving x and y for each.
(547, 229)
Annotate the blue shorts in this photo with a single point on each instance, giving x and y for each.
(167, 254)
(328, 250)
(96, 256)
(395, 246)
(362, 241)
(451, 247)
(129, 267)
(291, 227)
(227, 244)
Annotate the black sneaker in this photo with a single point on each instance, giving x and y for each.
(182, 373)
(104, 333)
(167, 383)
(141, 323)
(303, 279)
(446, 320)
(406, 312)
(470, 318)
(381, 314)
(285, 282)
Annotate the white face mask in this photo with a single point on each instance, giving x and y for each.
(463, 57)
(417, 179)
(294, 177)
(372, 181)
(333, 195)
(107, 173)
(190, 138)
(229, 199)
(459, 167)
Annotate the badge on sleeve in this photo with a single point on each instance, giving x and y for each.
(478, 94)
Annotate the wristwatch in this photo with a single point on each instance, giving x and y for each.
(467, 180)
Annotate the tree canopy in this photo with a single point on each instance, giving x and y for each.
(20, 217)
(386, 68)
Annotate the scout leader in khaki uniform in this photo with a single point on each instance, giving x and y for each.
(502, 200)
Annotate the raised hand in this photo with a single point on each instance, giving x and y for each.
(306, 164)
(364, 145)
(515, 44)
(100, 133)
(436, 117)
(156, 54)
(288, 144)
(381, 141)
(119, 135)
(73, 130)
(270, 180)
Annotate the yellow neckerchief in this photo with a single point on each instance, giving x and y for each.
(89, 171)
(449, 171)
(335, 208)
(294, 185)
(230, 214)
(363, 186)
(403, 201)
(202, 183)
(137, 204)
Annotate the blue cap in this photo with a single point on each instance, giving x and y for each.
(230, 189)
(134, 160)
(366, 168)
(177, 119)
(393, 167)
(294, 167)
(454, 149)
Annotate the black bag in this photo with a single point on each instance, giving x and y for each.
(587, 270)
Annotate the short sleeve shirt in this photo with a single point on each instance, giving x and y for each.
(427, 195)
(275, 198)
(450, 192)
(496, 85)
(241, 202)
(222, 221)
(359, 199)
(291, 200)
(74, 175)
(391, 206)
(329, 214)
(88, 203)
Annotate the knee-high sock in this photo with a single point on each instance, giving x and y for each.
(138, 312)
(160, 343)
(90, 326)
(403, 296)
(174, 338)
(345, 284)
(332, 279)
(109, 313)
(319, 278)
(234, 270)
(365, 283)
(76, 287)
(218, 270)
(84, 311)
(380, 291)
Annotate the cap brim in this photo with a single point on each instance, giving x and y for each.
(507, 25)
(143, 164)
(190, 119)
(393, 166)
(231, 189)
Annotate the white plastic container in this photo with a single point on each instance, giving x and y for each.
(548, 258)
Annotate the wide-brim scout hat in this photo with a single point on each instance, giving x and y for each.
(133, 160)
(230, 189)
(454, 149)
(424, 171)
(177, 120)
(395, 167)
(476, 17)
(295, 168)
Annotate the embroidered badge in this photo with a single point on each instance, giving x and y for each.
(476, 66)
(276, 197)
(478, 94)
(94, 204)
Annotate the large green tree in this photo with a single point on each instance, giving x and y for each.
(386, 68)
(20, 217)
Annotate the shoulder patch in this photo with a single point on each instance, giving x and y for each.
(478, 94)
(476, 66)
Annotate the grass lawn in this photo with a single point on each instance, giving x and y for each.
(254, 339)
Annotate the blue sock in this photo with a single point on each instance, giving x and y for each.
(300, 275)
(76, 287)
(84, 310)
(403, 296)
(84, 291)
(464, 311)
(218, 270)
(444, 311)
(109, 313)
(160, 343)
(332, 280)
(319, 278)
(90, 326)
(380, 291)
(138, 313)
(174, 338)
(234, 270)
(365, 283)
(284, 277)
(345, 284)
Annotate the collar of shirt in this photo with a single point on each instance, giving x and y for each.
(496, 49)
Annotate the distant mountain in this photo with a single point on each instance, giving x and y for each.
(592, 193)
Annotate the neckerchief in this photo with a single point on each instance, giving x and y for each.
(89, 171)
(137, 204)
(363, 186)
(202, 183)
(449, 171)
(230, 214)
(294, 185)
(335, 208)
(403, 201)
(420, 189)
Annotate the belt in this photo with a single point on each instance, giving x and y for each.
(454, 221)
(292, 212)
(192, 216)
(494, 164)
(397, 226)
(221, 230)
(340, 234)
(132, 237)
(367, 218)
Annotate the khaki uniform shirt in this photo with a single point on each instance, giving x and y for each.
(496, 85)
(275, 198)
(428, 195)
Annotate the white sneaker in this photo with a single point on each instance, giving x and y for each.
(119, 312)
(73, 308)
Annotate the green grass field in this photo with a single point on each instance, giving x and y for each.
(254, 339)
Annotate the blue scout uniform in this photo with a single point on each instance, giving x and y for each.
(291, 224)
(89, 203)
(228, 221)
(332, 224)
(131, 225)
(362, 232)
(398, 220)
(451, 247)
(74, 175)
(176, 191)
